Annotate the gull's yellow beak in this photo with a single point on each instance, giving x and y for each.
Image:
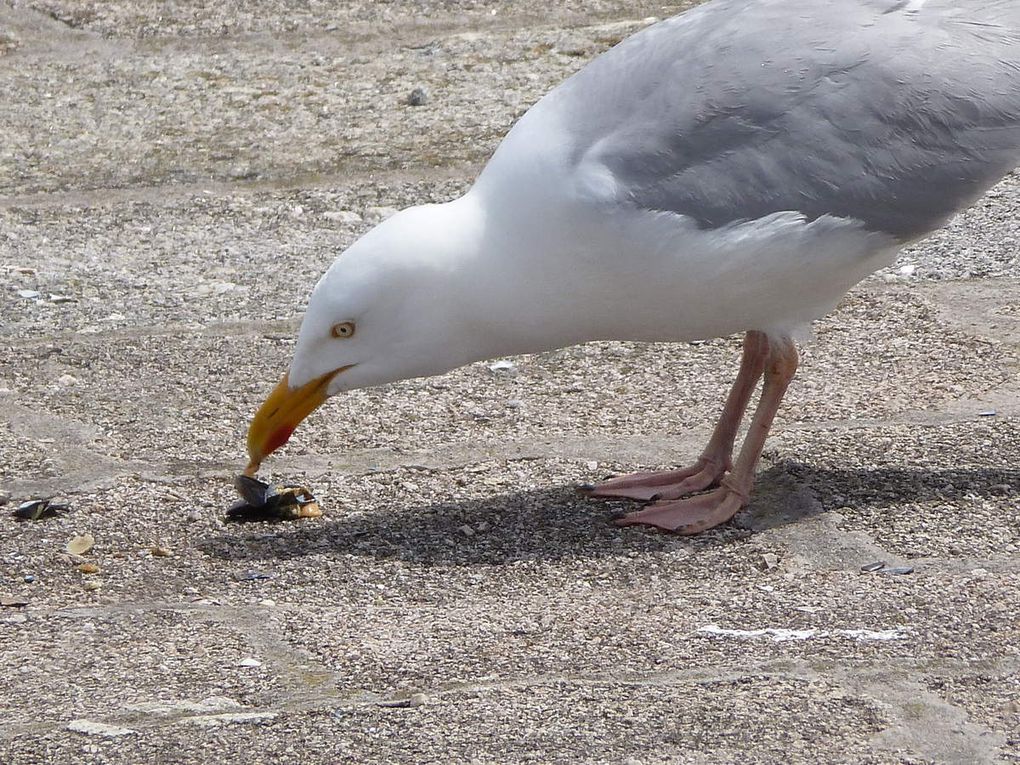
(281, 413)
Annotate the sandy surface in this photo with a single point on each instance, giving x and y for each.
(173, 176)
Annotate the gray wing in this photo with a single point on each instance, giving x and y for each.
(897, 113)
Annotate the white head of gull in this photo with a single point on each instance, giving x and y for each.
(736, 168)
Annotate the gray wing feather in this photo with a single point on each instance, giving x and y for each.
(891, 112)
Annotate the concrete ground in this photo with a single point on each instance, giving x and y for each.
(174, 176)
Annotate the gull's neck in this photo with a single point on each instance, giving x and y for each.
(515, 269)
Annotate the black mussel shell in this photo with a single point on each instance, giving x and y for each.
(262, 502)
(242, 512)
(36, 509)
(287, 498)
(255, 492)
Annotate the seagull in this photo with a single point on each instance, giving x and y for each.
(734, 169)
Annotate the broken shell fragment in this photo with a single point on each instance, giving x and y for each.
(414, 700)
(881, 568)
(309, 510)
(262, 502)
(81, 544)
(898, 570)
(252, 576)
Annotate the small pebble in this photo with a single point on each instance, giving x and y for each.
(28, 579)
(193, 516)
(267, 602)
(417, 97)
(242, 172)
(67, 381)
(769, 561)
(466, 530)
(414, 700)
(503, 365)
(249, 661)
(92, 585)
(159, 552)
(342, 216)
(379, 214)
(89, 568)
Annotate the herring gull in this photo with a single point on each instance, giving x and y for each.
(734, 169)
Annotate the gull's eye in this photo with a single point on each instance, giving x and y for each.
(343, 329)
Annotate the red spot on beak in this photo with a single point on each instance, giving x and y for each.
(278, 439)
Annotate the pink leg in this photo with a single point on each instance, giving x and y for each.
(716, 459)
(694, 515)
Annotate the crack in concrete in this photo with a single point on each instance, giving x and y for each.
(644, 450)
(81, 467)
(919, 716)
(343, 174)
(43, 35)
(301, 674)
(50, 36)
(282, 327)
(923, 723)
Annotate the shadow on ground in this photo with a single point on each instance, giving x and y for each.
(555, 524)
